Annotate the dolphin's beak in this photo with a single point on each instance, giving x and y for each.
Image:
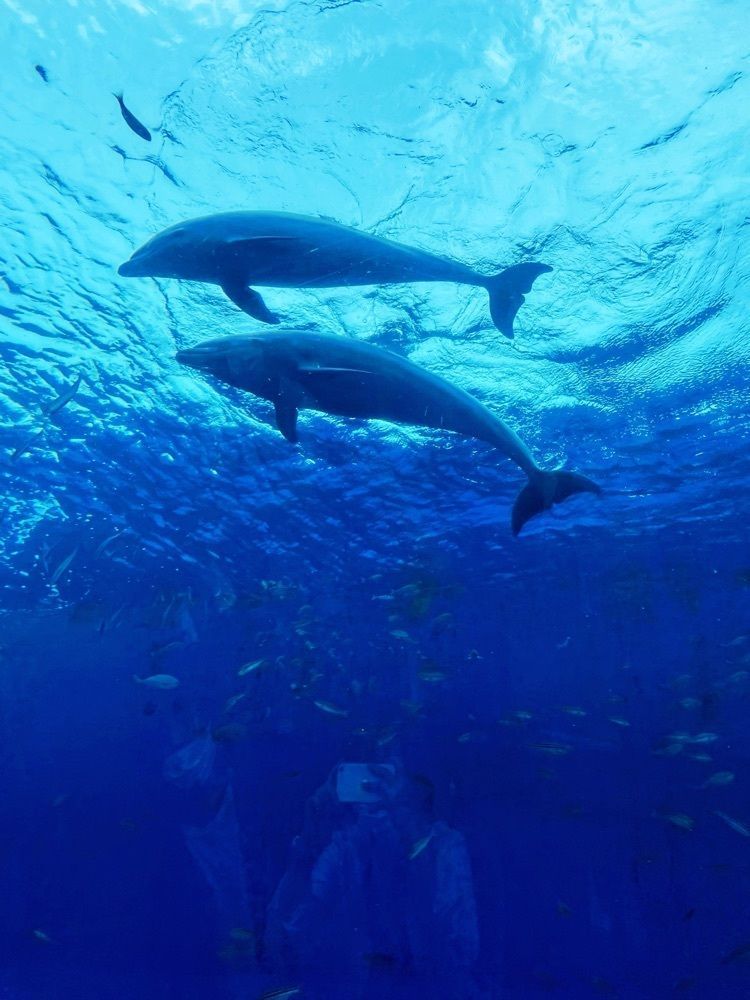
(201, 357)
(129, 269)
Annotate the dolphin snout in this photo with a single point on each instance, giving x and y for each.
(200, 357)
(129, 269)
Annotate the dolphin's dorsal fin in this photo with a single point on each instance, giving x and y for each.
(286, 417)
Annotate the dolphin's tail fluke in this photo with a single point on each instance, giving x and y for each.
(507, 291)
(546, 489)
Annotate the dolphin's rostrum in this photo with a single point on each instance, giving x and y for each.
(350, 378)
(274, 249)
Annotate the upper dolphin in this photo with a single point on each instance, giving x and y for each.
(279, 250)
(351, 378)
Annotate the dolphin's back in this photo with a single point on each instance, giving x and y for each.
(280, 249)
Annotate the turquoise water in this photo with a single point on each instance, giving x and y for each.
(159, 524)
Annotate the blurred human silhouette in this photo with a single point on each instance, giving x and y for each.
(378, 893)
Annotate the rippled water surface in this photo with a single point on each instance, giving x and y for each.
(156, 525)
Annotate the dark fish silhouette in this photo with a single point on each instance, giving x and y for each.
(42, 72)
(131, 121)
(64, 398)
(277, 250)
(346, 377)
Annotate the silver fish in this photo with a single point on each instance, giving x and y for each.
(63, 566)
(160, 682)
(733, 823)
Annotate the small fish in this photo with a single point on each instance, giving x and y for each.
(131, 121)
(442, 622)
(523, 716)
(411, 707)
(166, 647)
(25, 446)
(385, 737)
(554, 749)
(690, 703)
(232, 732)
(159, 682)
(563, 909)
(615, 720)
(742, 951)
(42, 936)
(249, 668)
(704, 758)
(738, 641)
(703, 738)
(573, 710)
(670, 750)
(565, 643)
(329, 709)
(63, 566)
(420, 845)
(719, 779)
(285, 993)
(234, 700)
(107, 541)
(380, 960)
(431, 676)
(733, 823)
(241, 934)
(64, 398)
(681, 820)
(399, 633)
(42, 72)
(466, 737)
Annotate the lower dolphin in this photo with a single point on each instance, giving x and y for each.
(279, 250)
(351, 378)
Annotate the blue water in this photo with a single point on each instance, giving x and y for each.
(565, 713)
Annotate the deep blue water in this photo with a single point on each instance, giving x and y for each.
(563, 714)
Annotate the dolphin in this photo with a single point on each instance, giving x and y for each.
(275, 249)
(351, 378)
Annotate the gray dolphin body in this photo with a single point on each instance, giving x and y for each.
(278, 250)
(351, 378)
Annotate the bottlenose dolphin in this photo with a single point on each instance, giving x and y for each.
(278, 250)
(351, 378)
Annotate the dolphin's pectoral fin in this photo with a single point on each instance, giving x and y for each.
(249, 301)
(286, 417)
